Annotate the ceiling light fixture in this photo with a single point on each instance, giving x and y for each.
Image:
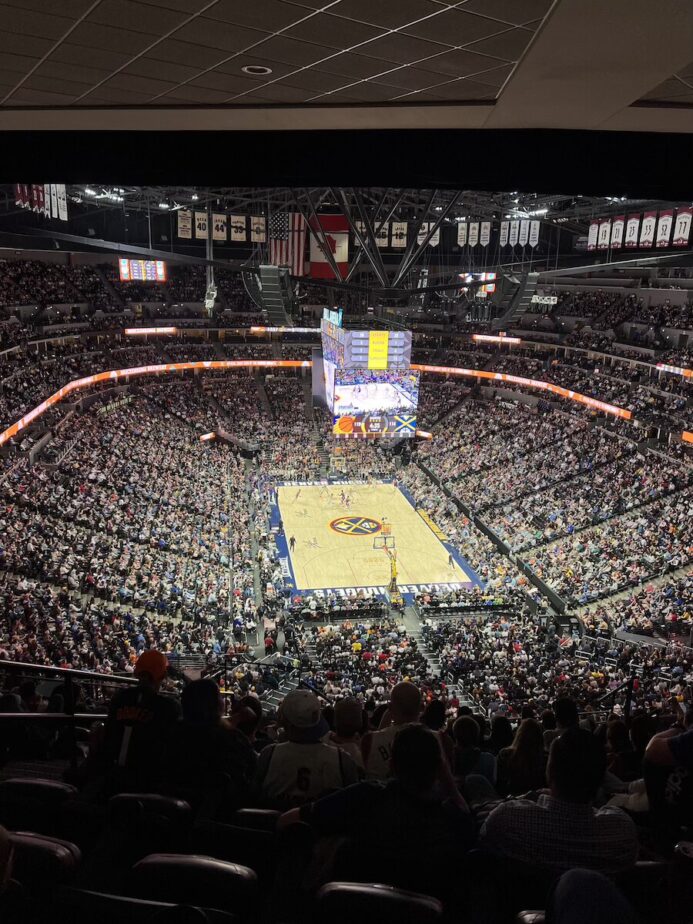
(194, 197)
(256, 70)
(164, 205)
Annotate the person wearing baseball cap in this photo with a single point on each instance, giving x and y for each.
(140, 725)
(304, 767)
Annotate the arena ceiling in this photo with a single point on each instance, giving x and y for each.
(333, 64)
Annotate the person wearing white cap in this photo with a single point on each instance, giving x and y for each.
(304, 767)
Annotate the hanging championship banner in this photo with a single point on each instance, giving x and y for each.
(592, 235)
(201, 225)
(184, 224)
(47, 200)
(473, 233)
(632, 230)
(21, 196)
(435, 239)
(617, 231)
(62, 201)
(485, 233)
(54, 200)
(238, 228)
(462, 234)
(647, 229)
(666, 220)
(524, 233)
(219, 227)
(398, 238)
(534, 226)
(503, 240)
(604, 235)
(514, 228)
(382, 235)
(258, 229)
(421, 233)
(682, 228)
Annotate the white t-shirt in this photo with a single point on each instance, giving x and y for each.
(295, 773)
(378, 764)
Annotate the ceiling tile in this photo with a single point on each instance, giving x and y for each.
(353, 66)
(183, 6)
(236, 65)
(363, 93)
(278, 93)
(316, 81)
(453, 27)
(56, 85)
(495, 77)
(109, 38)
(669, 89)
(72, 9)
(144, 85)
(291, 51)
(268, 15)
(186, 53)
(402, 49)
(39, 98)
(18, 64)
(161, 70)
(225, 83)
(508, 45)
(19, 21)
(91, 57)
(112, 95)
(127, 14)
(409, 78)
(10, 78)
(75, 72)
(190, 94)
(221, 35)
(388, 15)
(331, 30)
(462, 90)
(512, 11)
(458, 63)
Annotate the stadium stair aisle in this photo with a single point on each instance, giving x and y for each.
(264, 400)
(117, 300)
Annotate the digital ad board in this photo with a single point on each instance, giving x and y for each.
(364, 426)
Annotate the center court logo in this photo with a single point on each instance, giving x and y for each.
(356, 526)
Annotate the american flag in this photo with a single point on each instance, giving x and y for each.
(287, 239)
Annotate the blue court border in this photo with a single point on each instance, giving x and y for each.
(408, 591)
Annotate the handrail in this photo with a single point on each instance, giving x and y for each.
(20, 666)
(55, 716)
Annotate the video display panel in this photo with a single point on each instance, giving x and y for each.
(362, 426)
(370, 391)
(142, 270)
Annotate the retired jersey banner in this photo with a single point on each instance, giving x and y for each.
(604, 235)
(382, 235)
(682, 228)
(184, 224)
(335, 230)
(54, 200)
(62, 201)
(523, 236)
(201, 225)
(592, 235)
(219, 227)
(462, 234)
(647, 229)
(398, 235)
(514, 229)
(238, 228)
(258, 229)
(485, 233)
(421, 233)
(617, 226)
(534, 233)
(632, 230)
(503, 239)
(473, 233)
(435, 238)
(666, 220)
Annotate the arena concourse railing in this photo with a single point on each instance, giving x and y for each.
(115, 375)
(74, 683)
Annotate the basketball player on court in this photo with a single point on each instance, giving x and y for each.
(298, 494)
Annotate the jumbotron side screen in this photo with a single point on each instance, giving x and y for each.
(142, 270)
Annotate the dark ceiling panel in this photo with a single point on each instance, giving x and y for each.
(228, 84)
(109, 38)
(183, 6)
(136, 84)
(276, 93)
(350, 65)
(324, 29)
(454, 27)
(39, 98)
(191, 94)
(71, 9)
(291, 51)
(78, 73)
(508, 45)
(316, 81)
(185, 53)
(409, 78)
(495, 77)
(221, 35)
(161, 70)
(91, 57)
(402, 49)
(512, 11)
(18, 64)
(270, 15)
(363, 93)
(236, 65)
(18, 21)
(388, 15)
(129, 14)
(458, 63)
(460, 90)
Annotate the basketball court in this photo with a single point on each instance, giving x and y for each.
(350, 547)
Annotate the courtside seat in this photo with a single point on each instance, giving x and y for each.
(346, 902)
(196, 880)
(35, 805)
(260, 819)
(42, 862)
(128, 809)
(251, 847)
(80, 906)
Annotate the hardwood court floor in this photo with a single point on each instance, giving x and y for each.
(332, 554)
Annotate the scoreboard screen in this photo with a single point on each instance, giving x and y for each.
(142, 270)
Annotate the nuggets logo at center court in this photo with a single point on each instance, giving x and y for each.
(356, 526)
